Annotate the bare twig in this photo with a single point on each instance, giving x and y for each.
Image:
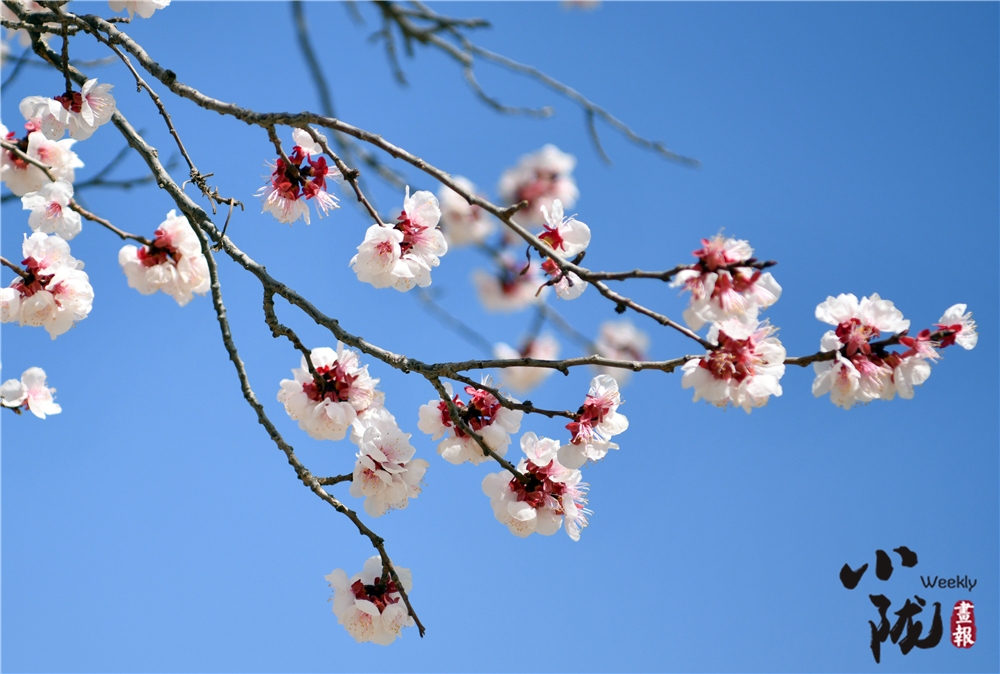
(17, 270)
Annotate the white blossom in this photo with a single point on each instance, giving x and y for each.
(385, 473)
(523, 379)
(369, 609)
(50, 211)
(745, 369)
(551, 493)
(540, 179)
(174, 264)
(597, 422)
(462, 223)
(403, 255)
(22, 177)
(143, 8)
(483, 414)
(31, 392)
(55, 293)
(326, 410)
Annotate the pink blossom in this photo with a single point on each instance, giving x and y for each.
(597, 422)
(722, 287)
(304, 180)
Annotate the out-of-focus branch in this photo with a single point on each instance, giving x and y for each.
(302, 120)
(345, 143)
(466, 51)
(456, 325)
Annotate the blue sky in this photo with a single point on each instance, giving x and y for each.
(153, 526)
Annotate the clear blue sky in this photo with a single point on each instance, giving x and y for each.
(153, 526)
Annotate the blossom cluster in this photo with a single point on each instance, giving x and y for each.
(723, 283)
(403, 255)
(385, 473)
(174, 264)
(30, 392)
(550, 490)
(863, 369)
(368, 605)
(549, 494)
(744, 368)
(54, 293)
(80, 112)
(304, 179)
(483, 414)
(728, 291)
(22, 177)
(540, 179)
(328, 405)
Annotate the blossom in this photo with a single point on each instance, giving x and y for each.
(22, 177)
(859, 373)
(55, 293)
(143, 8)
(81, 113)
(722, 286)
(567, 237)
(906, 373)
(621, 340)
(568, 285)
(523, 379)
(858, 322)
(742, 371)
(31, 392)
(461, 222)
(597, 421)
(50, 212)
(174, 263)
(483, 414)
(550, 494)
(326, 406)
(385, 473)
(540, 179)
(369, 607)
(293, 184)
(403, 255)
(513, 288)
(961, 323)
